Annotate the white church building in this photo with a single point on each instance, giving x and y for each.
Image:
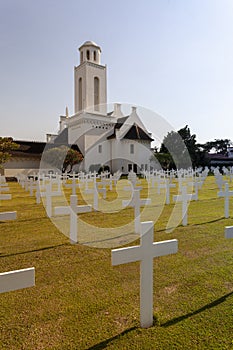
(105, 138)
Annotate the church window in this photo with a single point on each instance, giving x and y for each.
(96, 93)
(82, 57)
(88, 54)
(94, 55)
(100, 148)
(80, 94)
(131, 149)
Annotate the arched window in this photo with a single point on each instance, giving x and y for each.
(82, 57)
(94, 55)
(88, 54)
(96, 93)
(80, 94)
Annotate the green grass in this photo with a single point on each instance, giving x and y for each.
(81, 302)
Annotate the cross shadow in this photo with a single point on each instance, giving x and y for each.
(210, 222)
(196, 312)
(191, 225)
(105, 343)
(33, 250)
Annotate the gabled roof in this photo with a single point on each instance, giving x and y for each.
(134, 132)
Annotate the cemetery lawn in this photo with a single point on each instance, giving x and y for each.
(82, 302)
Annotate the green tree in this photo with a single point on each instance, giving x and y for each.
(218, 146)
(62, 158)
(182, 147)
(6, 147)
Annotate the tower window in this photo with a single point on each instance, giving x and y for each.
(88, 54)
(80, 95)
(82, 57)
(100, 148)
(94, 55)
(96, 93)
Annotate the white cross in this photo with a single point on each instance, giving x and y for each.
(96, 192)
(18, 279)
(229, 232)
(167, 185)
(145, 253)
(136, 203)
(32, 186)
(103, 189)
(226, 194)
(219, 181)
(197, 185)
(8, 215)
(184, 198)
(4, 189)
(73, 210)
(48, 194)
(5, 196)
(73, 185)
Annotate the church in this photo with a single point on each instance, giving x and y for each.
(105, 138)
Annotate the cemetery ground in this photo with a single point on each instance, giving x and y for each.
(82, 302)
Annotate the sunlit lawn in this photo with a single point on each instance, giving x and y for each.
(81, 302)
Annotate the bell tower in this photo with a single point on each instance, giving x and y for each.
(90, 86)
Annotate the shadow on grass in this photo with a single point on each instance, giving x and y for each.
(105, 343)
(192, 225)
(33, 250)
(196, 312)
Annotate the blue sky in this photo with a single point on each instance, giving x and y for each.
(174, 57)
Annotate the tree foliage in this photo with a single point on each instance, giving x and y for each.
(218, 146)
(62, 158)
(6, 147)
(183, 149)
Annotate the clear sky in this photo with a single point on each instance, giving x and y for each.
(174, 57)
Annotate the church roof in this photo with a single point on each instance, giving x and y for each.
(90, 43)
(30, 147)
(36, 148)
(136, 133)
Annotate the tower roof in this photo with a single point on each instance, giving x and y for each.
(90, 43)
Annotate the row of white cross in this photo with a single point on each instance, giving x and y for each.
(145, 253)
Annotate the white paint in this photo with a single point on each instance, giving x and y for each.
(18, 279)
(145, 253)
(73, 210)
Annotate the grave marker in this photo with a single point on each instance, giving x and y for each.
(8, 215)
(226, 194)
(145, 253)
(229, 232)
(136, 203)
(73, 210)
(184, 198)
(18, 279)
